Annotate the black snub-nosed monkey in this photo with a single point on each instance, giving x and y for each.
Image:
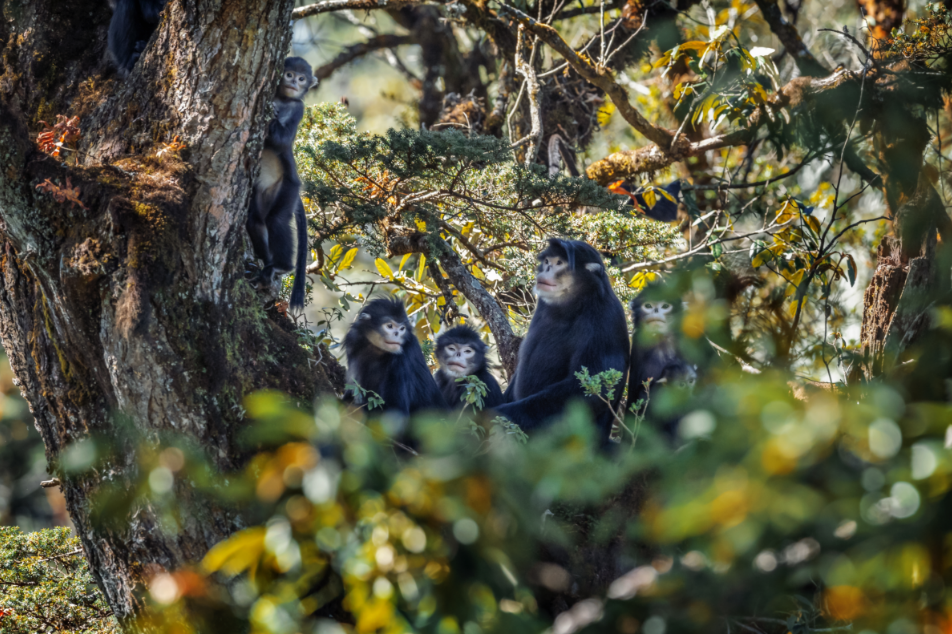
(656, 360)
(578, 322)
(132, 24)
(460, 352)
(384, 356)
(276, 199)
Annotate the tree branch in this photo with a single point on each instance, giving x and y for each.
(351, 53)
(326, 6)
(787, 34)
(597, 75)
(489, 309)
(628, 163)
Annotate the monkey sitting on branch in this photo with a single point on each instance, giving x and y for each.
(461, 353)
(656, 361)
(384, 356)
(276, 199)
(578, 322)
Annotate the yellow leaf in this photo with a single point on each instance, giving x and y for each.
(605, 114)
(694, 45)
(420, 225)
(404, 261)
(759, 259)
(348, 259)
(666, 194)
(795, 281)
(384, 268)
(650, 197)
(814, 224)
(336, 250)
(421, 267)
(477, 273)
(236, 554)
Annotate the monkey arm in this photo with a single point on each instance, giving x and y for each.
(539, 409)
(283, 128)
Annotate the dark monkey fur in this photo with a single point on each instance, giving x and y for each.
(578, 322)
(132, 24)
(655, 357)
(277, 193)
(384, 356)
(460, 352)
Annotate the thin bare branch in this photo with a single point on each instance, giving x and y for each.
(349, 54)
(326, 6)
(599, 76)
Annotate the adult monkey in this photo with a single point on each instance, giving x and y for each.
(656, 360)
(132, 24)
(460, 353)
(383, 356)
(277, 192)
(578, 322)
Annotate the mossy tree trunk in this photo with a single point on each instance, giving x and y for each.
(132, 301)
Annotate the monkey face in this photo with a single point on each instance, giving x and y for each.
(553, 278)
(655, 315)
(458, 359)
(294, 84)
(680, 376)
(388, 335)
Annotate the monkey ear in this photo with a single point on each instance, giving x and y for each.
(363, 316)
(594, 267)
(314, 83)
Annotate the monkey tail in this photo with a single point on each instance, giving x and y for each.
(297, 291)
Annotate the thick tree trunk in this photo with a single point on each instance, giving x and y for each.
(134, 302)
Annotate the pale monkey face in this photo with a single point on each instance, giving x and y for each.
(459, 359)
(655, 315)
(294, 84)
(389, 336)
(553, 279)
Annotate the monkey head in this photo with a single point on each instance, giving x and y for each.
(384, 324)
(567, 268)
(679, 375)
(656, 311)
(460, 351)
(654, 315)
(297, 79)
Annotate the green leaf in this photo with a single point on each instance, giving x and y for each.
(851, 269)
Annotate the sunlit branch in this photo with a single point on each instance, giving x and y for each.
(326, 6)
(351, 53)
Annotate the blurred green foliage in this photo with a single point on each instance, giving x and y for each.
(22, 461)
(46, 586)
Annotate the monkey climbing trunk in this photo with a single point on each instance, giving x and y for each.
(122, 290)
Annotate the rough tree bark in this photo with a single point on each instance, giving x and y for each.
(134, 302)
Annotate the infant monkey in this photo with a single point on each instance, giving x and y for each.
(460, 352)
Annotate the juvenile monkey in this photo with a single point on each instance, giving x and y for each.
(460, 352)
(132, 24)
(277, 191)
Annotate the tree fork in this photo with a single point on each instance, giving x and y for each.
(132, 301)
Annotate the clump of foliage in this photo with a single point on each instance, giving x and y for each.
(421, 197)
(46, 586)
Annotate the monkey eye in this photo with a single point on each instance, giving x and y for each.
(467, 350)
(451, 348)
(665, 306)
(649, 306)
